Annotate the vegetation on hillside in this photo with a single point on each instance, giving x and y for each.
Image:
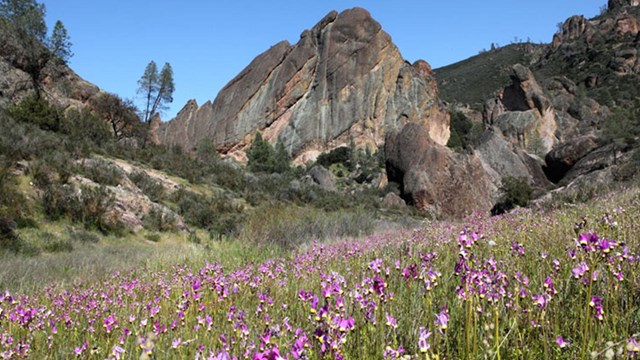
(474, 80)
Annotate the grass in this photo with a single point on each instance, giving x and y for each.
(510, 287)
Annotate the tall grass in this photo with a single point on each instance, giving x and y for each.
(529, 284)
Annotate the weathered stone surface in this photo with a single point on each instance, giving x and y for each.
(131, 206)
(59, 83)
(522, 111)
(393, 201)
(572, 29)
(323, 177)
(561, 159)
(617, 4)
(344, 79)
(501, 159)
(433, 177)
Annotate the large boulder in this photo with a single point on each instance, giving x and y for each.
(433, 177)
(344, 79)
(523, 112)
(501, 159)
(561, 159)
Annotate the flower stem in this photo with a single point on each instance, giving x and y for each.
(497, 336)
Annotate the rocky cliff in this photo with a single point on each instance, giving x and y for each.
(344, 79)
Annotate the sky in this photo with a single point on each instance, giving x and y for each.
(208, 42)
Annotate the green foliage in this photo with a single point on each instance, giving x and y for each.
(536, 146)
(54, 243)
(339, 155)
(27, 17)
(264, 159)
(59, 43)
(151, 187)
(281, 159)
(460, 128)
(203, 211)
(159, 220)
(156, 89)
(260, 155)
(86, 205)
(623, 125)
(517, 192)
(473, 80)
(101, 172)
(36, 110)
(86, 128)
(121, 115)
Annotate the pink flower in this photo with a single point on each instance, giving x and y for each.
(561, 343)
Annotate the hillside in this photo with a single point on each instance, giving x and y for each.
(476, 79)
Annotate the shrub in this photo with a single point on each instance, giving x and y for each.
(517, 192)
(36, 110)
(102, 172)
(55, 244)
(148, 185)
(159, 220)
(153, 237)
(85, 127)
(82, 236)
(340, 155)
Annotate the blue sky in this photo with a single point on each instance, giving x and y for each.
(209, 42)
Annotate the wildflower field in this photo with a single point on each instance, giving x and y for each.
(532, 284)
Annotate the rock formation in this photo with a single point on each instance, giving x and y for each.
(344, 79)
(522, 111)
(433, 177)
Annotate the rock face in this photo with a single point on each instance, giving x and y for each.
(522, 111)
(61, 85)
(343, 79)
(433, 177)
(616, 4)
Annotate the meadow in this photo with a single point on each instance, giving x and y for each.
(531, 284)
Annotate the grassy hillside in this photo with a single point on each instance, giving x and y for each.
(476, 79)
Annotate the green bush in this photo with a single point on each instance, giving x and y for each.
(158, 220)
(55, 244)
(202, 211)
(36, 110)
(84, 126)
(339, 155)
(148, 185)
(102, 172)
(517, 192)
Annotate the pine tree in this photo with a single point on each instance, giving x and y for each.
(281, 159)
(261, 155)
(59, 43)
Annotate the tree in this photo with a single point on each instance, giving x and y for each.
(281, 159)
(26, 16)
(120, 113)
(28, 32)
(260, 154)
(59, 43)
(156, 88)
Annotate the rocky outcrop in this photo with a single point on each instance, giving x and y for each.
(344, 79)
(617, 4)
(501, 159)
(433, 177)
(561, 159)
(572, 29)
(522, 111)
(323, 178)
